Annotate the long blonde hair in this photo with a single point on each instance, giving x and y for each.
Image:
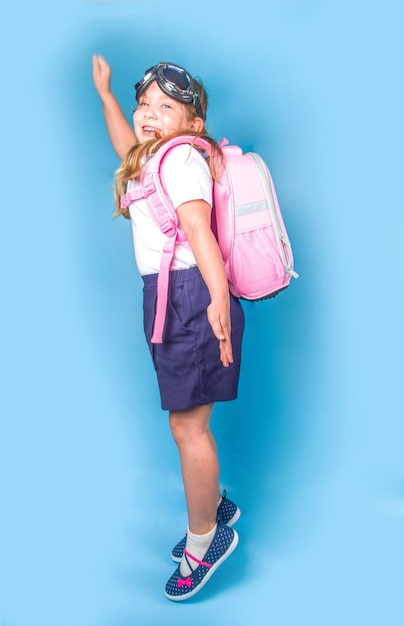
(137, 155)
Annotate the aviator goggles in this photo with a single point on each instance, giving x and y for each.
(174, 81)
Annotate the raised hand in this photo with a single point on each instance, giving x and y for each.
(101, 75)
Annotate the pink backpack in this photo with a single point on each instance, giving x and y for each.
(246, 220)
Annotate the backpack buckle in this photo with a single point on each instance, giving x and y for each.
(148, 189)
(169, 228)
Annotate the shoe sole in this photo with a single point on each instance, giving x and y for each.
(209, 574)
(233, 520)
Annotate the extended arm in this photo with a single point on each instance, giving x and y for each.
(120, 132)
(194, 217)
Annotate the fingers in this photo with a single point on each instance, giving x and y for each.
(99, 60)
(101, 72)
(97, 63)
(221, 327)
(226, 352)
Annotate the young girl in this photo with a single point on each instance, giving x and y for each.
(198, 362)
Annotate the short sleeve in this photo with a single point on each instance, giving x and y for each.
(186, 176)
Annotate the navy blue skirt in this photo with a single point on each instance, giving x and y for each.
(188, 366)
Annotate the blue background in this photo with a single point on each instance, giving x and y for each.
(90, 492)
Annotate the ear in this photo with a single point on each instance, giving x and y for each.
(197, 124)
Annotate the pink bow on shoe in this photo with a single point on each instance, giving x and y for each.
(184, 582)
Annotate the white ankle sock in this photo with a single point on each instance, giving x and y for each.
(197, 545)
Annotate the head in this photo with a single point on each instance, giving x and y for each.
(169, 101)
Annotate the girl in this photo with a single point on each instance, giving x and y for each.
(198, 362)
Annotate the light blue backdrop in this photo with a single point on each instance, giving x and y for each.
(90, 492)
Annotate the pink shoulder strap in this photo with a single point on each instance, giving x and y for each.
(165, 216)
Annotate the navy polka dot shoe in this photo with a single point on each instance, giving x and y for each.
(227, 513)
(180, 588)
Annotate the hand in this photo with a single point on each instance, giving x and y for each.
(101, 74)
(219, 319)
(194, 217)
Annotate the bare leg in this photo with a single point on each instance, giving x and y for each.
(199, 463)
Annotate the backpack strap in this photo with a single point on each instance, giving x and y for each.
(165, 216)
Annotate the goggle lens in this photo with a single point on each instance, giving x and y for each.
(177, 77)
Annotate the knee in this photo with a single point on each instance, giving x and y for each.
(179, 430)
(187, 426)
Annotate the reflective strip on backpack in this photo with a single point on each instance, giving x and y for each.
(251, 207)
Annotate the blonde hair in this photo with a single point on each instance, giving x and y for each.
(137, 155)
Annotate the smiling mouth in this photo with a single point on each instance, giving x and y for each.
(151, 131)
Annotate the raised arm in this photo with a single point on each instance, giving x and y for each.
(194, 218)
(120, 132)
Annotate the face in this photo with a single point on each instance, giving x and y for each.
(158, 115)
